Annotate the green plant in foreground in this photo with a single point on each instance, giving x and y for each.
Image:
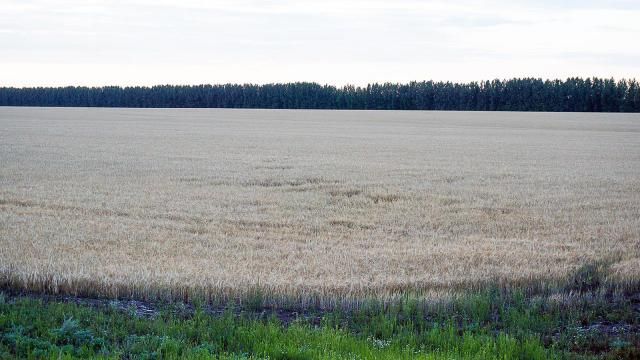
(583, 322)
(33, 329)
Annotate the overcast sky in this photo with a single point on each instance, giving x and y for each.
(147, 42)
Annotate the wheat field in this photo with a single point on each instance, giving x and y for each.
(312, 205)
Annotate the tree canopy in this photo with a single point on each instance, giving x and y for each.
(526, 94)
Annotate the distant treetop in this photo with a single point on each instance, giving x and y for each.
(527, 94)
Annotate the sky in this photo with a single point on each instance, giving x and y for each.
(338, 42)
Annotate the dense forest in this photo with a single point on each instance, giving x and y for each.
(528, 94)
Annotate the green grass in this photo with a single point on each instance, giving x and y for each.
(580, 325)
(494, 324)
(34, 329)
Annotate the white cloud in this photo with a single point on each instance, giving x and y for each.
(190, 41)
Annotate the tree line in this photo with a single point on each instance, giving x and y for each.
(526, 94)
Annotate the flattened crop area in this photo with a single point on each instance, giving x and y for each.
(312, 205)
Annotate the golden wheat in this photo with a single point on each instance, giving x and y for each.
(312, 205)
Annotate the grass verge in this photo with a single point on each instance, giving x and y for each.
(34, 329)
(496, 324)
